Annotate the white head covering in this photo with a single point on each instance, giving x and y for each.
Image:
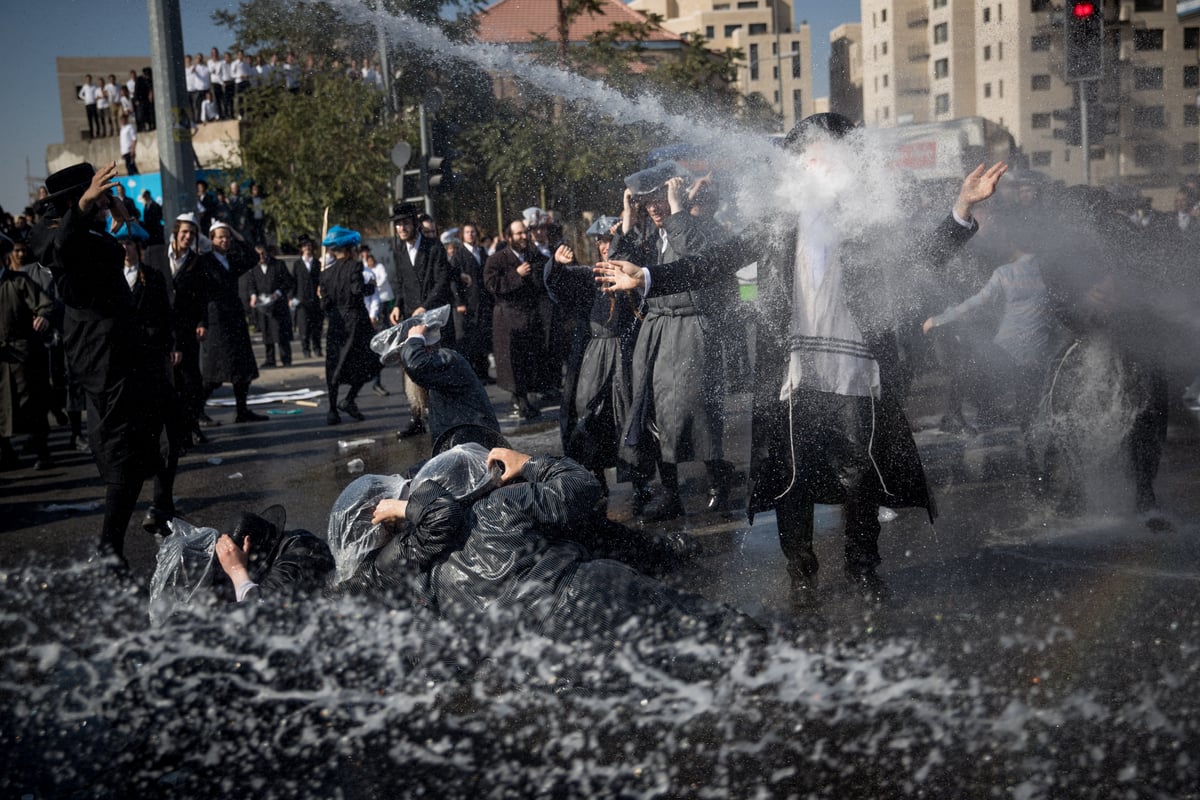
(216, 225)
(190, 218)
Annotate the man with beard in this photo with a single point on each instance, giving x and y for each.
(514, 278)
(271, 289)
(226, 355)
(101, 338)
(422, 280)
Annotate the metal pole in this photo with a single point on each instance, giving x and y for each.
(174, 131)
(424, 159)
(1083, 133)
(389, 101)
(779, 72)
(499, 212)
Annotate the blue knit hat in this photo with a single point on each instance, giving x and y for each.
(341, 237)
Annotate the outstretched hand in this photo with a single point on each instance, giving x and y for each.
(978, 186)
(389, 512)
(233, 558)
(102, 183)
(512, 462)
(617, 276)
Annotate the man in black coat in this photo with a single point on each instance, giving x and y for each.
(456, 395)
(152, 219)
(477, 322)
(226, 355)
(828, 421)
(307, 274)
(25, 311)
(265, 562)
(513, 276)
(272, 286)
(101, 339)
(421, 278)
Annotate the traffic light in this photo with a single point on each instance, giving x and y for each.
(1070, 132)
(1083, 40)
(434, 176)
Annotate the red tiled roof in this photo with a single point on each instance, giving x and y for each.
(521, 21)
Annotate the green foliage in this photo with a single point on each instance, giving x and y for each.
(326, 146)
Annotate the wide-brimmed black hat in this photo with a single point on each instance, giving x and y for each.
(469, 433)
(68, 184)
(264, 530)
(654, 178)
(828, 124)
(404, 210)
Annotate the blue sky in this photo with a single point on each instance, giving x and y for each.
(34, 34)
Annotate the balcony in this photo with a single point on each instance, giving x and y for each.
(918, 52)
(918, 18)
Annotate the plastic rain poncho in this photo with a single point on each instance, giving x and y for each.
(186, 569)
(351, 534)
(387, 342)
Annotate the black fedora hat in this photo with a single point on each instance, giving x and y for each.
(68, 184)
(403, 211)
(829, 124)
(264, 529)
(469, 433)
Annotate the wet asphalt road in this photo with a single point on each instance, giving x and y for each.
(1000, 586)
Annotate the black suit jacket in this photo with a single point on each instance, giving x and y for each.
(425, 284)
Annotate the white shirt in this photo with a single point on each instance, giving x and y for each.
(383, 287)
(113, 93)
(208, 111)
(176, 259)
(214, 70)
(203, 82)
(131, 84)
(126, 105)
(242, 71)
(193, 85)
(102, 103)
(291, 76)
(412, 249)
(131, 275)
(128, 137)
(88, 92)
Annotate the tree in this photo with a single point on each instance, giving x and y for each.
(327, 146)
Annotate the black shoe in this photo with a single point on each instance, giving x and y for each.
(333, 417)
(803, 594)
(351, 410)
(529, 411)
(379, 390)
(155, 522)
(246, 415)
(415, 428)
(266, 365)
(198, 436)
(205, 421)
(869, 585)
(666, 506)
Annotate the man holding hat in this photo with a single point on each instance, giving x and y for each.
(101, 333)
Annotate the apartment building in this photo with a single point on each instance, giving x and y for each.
(776, 57)
(935, 60)
(845, 71)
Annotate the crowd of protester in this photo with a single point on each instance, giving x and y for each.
(638, 364)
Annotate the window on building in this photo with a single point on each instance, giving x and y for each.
(883, 47)
(1148, 39)
(987, 14)
(941, 104)
(774, 48)
(1039, 5)
(885, 81)
(797, 65)
(941, 68)
(999, 12)
(1190, 153)
(1000, 92)
(1148, 5)
(753, 62)
(1040, 120)
(720, 6)
(775, 72)
(987, 90)
(940, 3)
(1191, 76)
(987, 52)
(776, 97)
(797, 104)
(1149, 117)
(1191, 115)
(709, 32)
(758, 28)
(1039, 42)
(1191, 38)
(1041, 158)
(1000, 52)
(1040, 83)
(883, 15)
(730, 30)
(876, 83)
(747, 3)
(1148, 78)
(1098, 153)
(941, 32)
(887, 112)
(1149, 156)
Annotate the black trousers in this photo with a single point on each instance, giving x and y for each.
(794, 513)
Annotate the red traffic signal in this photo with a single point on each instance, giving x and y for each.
(1083, 40)
(1083, 9)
